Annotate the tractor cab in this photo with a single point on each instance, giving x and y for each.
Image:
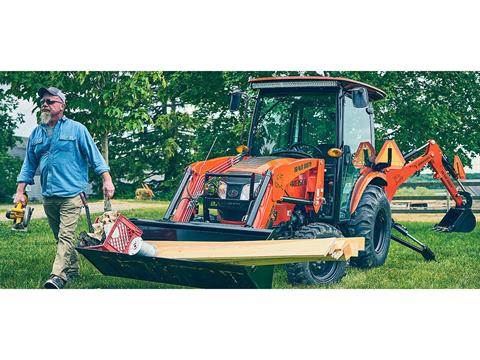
(314, 117)
(308, 116)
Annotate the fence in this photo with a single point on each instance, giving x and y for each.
(430, 204)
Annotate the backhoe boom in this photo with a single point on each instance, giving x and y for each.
(433, 156)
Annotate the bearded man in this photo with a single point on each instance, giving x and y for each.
(63, 149)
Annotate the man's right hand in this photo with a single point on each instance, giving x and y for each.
(19, 197)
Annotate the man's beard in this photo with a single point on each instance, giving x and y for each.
(45, 117)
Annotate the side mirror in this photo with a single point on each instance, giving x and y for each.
(347, 154)
(235, 98)
(360, 97)
(370, 109)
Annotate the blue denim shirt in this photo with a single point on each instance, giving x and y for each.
(63, 158)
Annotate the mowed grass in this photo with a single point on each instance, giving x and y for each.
(26, 260)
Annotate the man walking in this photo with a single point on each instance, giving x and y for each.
(63, 149)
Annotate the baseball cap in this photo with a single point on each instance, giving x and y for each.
(52, 91)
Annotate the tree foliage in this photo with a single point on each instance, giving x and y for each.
(106, 102)
(157, 123)
(162, 150)
(9, 165)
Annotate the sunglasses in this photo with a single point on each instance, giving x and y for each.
(48, 101)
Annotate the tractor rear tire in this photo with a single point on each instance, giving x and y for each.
(372, 220)
(319, 272)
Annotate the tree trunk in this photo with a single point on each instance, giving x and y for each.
(105, 147)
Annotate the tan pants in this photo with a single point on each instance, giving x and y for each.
(63, 215)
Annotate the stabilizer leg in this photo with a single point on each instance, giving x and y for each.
(423, 249)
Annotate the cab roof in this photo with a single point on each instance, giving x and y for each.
(315, 81)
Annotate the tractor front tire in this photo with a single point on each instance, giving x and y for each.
(372, 220)
(319, 272)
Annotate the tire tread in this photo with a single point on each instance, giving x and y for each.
(298, 273)
(362, 224)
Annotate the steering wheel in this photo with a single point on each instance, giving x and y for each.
(295, 146)
(292, 153)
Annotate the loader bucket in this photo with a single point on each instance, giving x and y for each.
(457, 220)
(180, 272)
(185, 272)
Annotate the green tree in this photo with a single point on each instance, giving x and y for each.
(9, 165)
(106, 102)
(151, 123)
(166, 144)
(161, 150)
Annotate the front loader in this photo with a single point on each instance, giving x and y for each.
(309, 171)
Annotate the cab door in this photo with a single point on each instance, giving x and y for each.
(357, 128)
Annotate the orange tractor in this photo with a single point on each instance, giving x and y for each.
(310, 170)
(144, 193)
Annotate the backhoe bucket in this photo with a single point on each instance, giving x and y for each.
(457, 220)
(185, 272)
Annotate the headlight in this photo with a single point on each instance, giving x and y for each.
(245, 195)
(222, 190)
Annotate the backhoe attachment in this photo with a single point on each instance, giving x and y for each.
(459, 218)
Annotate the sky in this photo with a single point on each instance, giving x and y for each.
(26, 107)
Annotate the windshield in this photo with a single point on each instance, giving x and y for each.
(304, 116)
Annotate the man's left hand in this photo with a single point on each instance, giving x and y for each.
(108, 189)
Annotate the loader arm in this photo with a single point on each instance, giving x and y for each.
(183, 205)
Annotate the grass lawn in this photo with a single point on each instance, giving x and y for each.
(26, 259)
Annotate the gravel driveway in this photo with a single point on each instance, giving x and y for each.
(95, 207)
